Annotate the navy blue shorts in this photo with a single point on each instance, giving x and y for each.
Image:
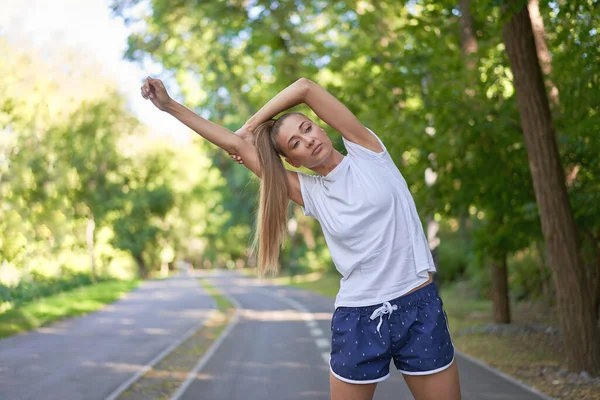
(411, 329)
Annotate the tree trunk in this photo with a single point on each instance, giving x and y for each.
(164, 269)
(546, 289)
(500, 300)
(142, 270)
(468, 41)
(539, 34)
(91, 227)
(433, 228)
(577, 314)
(468, 46)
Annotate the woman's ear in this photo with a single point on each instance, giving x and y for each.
(293, 164)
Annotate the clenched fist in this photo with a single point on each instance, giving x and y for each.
(154, 90)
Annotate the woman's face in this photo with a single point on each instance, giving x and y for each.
(303, 142)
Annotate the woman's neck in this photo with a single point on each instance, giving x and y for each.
(328, 165)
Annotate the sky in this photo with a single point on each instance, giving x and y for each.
(88, 24)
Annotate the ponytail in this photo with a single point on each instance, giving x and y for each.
(273, 201)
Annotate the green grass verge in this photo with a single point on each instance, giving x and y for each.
(463, 310)
(74, 302)
(325, 284)
(223, 304)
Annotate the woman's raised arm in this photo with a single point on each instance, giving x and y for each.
(154, 90)
(324, 104)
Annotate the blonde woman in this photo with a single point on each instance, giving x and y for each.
(388, 308)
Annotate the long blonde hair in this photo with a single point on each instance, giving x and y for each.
(273, 202)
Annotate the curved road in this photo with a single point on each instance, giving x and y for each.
(277, 349)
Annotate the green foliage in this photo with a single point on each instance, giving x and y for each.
(66, 176)
(399, 68)
(71, 303)
(453, 255)
(397, 65)
(528, 277)
(38, 286)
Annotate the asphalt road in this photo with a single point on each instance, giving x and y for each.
(89, 357)
(277, 349)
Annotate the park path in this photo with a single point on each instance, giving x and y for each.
(89, 357)
(277, 347)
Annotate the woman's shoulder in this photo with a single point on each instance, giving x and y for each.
(359, 151)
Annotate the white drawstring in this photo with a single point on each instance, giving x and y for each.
(386, 308)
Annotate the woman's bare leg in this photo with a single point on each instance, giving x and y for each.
(443, 385)
(341, 390)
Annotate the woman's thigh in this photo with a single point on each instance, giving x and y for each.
(442, 385)
(341, 390)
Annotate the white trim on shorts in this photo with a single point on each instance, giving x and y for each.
(341, 378)
(448, 328)
(433, 371)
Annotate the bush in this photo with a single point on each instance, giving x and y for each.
(526, 279)
(38, 286)
(5, 294)
(453, 255)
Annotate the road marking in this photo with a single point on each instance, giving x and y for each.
(309, 318)
(213, 348)
(316, 332)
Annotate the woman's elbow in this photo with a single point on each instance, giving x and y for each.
(304, 86)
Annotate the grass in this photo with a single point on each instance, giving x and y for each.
(164, 378)
(501, 350)
(325, 284)
(71, 303)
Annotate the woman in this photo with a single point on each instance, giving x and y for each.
(388, 307)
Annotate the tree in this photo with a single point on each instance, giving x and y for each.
(87, 152)
(147, 199)
(578, 314)
(398, 68)
(497, 261)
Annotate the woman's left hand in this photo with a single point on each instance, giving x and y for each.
(154, 90)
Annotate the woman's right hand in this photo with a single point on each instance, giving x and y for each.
(154, 90)
(248, 137)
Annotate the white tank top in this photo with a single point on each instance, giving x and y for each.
(371, 227)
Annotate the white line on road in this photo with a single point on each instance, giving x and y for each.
(213, 348)
(310, 322)
(118, 391)
(316, 332)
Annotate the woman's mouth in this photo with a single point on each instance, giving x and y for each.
(317, 149)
